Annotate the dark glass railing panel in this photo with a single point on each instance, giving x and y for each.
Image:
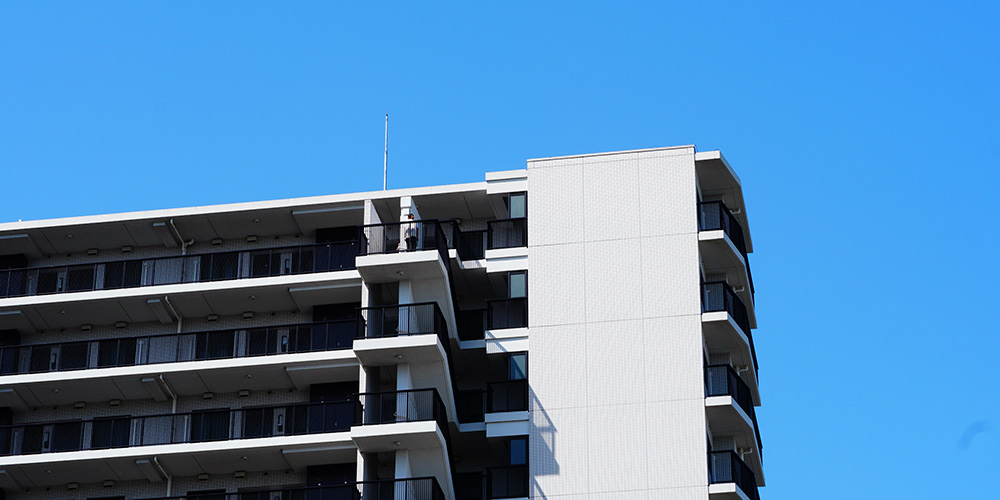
(171, 348)
(416, 405)
(347, 491)
(716, 296)
(509, 395)
(181, 269)
(507, 233)
(194, 427)
(472, 245)
(402, 320)
(470, 486)
(714, 216)
(507, 482)
(507, 313)
(409, 236)
(722, 380)
(727, 467)
(470, 405)
(426, 488)
(471, 324)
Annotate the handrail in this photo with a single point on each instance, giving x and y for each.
(728, 467)
(717, 296)
(176, 347)
(417, 488)
(191, 427)
(721, 218)
(507, 313)
(722, 380)
(507, 233)
(401, 320)
(190, 268)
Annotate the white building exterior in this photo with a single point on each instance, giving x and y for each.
(579, 329)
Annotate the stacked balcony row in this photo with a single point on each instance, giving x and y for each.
(280, 261)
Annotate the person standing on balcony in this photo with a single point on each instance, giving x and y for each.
(410, 233)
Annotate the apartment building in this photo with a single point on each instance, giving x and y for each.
(579, 329)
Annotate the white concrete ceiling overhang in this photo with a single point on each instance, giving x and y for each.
(716, 177)
(146, 304)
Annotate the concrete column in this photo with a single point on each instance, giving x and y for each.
(405, 297)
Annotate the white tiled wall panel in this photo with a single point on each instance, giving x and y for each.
(616, 345)
(611, 199)
(613, 275)
(555, 215)
(557, 285)
(559, 377)
(670, 277)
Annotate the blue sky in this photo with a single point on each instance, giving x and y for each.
(864, 134)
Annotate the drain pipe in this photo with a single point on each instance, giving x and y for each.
(184, 243)
(170, 479)
(173, 396)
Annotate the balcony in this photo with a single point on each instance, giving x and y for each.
(506, 233)
(730, 409)
(425, 488)
(507, 313)
(511, 481)
(729, 478)
(723, 246)
(727, 328)
(509, 395)
(472, 324)
(295, 354)
(410, 420)
(173, 348)
(403, 250)
(196, 427)
(196, 268)
(471, 406)
(414, 332)
(58, 452)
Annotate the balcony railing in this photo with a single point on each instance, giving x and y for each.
(472, 245)
(402, 320)
(349, 491)
(471, 324)
(507, 313)
(470, 405)
(714, 216)
(408, 236)
(509, 395)
(416, 405)
(170, 348)
(495, 483)
(194, 427)
(507, 233)
(727, 467)
(722, 380)
(182, 269)
(507, 482)
(425, 488)
(716, 296)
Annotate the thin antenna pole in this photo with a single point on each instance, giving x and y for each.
(385, 159)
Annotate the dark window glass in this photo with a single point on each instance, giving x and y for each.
(518, 367)
(518, 451)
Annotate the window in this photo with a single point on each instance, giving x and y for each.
(518, 450)
(517, 367)
(518, 205)
(517, 284)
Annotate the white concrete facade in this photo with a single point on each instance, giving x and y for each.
(579, 329)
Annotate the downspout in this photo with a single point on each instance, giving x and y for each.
(177, 234)
(170, 479)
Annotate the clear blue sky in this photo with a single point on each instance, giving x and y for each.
(864, 133)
